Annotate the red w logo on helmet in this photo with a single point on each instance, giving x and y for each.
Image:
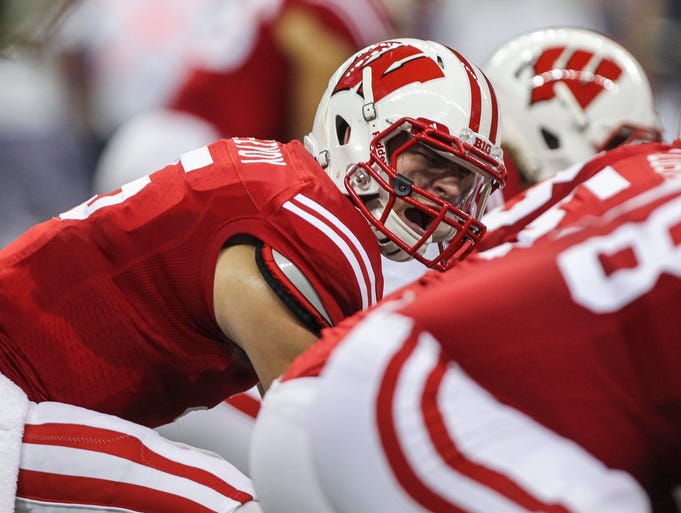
(584, 85)
(394, 65)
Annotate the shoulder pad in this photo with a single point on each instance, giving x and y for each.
(293, 288)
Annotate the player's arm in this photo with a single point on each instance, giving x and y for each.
(251, 314)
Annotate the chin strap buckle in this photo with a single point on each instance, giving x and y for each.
(369, 111)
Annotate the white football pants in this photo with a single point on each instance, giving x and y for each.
(73, 459)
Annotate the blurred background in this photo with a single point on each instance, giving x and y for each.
(96, 92)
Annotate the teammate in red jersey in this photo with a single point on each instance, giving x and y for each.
(213, 273)
(540, 375)
(265, 63)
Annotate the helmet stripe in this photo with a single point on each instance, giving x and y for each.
(476, 95)
(494, 122)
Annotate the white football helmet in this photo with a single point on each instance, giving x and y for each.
(566, 94)
(439, 99)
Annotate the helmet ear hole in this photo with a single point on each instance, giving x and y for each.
(551, 139)
(619, 137)
(342, 130)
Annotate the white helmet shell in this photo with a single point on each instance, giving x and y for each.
(405, 85)
(568, 93)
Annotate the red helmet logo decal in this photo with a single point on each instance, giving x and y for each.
(584, 85)
(394, 65)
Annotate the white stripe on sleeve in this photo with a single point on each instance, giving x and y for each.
(325, 223)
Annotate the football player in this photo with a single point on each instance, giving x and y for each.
(210, 275)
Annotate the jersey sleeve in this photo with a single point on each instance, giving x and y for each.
(312, 224)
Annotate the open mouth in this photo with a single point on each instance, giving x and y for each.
(418, 219)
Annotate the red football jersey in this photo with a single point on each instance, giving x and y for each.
(581, 333)
(252, 92)
(578, 327)
(573, 193)
(110, 306)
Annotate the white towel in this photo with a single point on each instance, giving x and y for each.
(13, 411)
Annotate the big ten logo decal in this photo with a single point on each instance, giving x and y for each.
(585, 74)
(483, 145)
(393, 65)
(89, 207)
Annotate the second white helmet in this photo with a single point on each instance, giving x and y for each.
(568, 93)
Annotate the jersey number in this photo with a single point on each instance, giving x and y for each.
(86, 209)
(655, 250)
